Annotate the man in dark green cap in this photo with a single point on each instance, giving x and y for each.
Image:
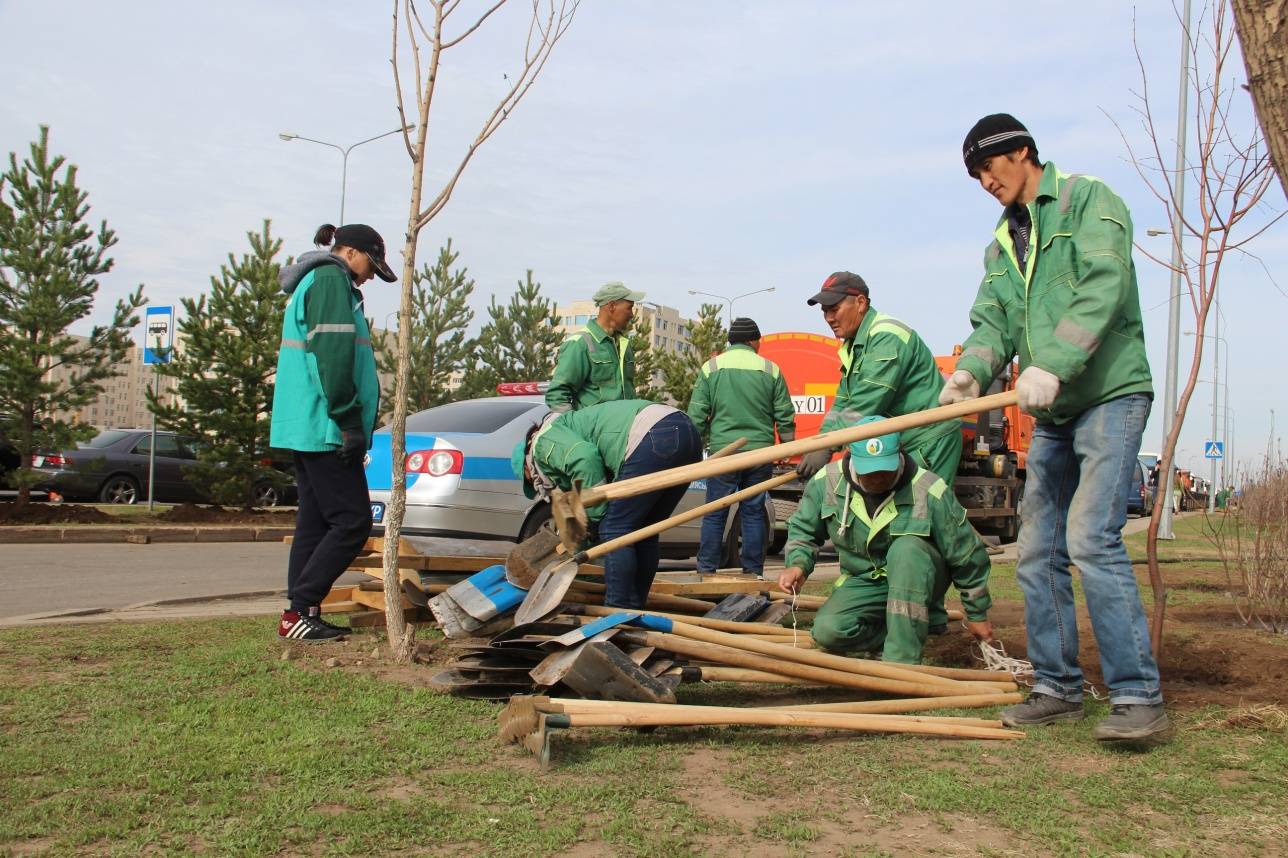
(901, 536)
(608, 442)
(597, 364)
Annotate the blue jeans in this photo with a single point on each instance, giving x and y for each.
(629, 571)
(754, 521)
(1075, 506)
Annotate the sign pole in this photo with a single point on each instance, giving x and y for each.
(152, 447)
(159, 324)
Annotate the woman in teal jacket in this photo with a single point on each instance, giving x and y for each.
(325, 403)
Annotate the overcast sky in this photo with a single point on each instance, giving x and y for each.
(717, 145)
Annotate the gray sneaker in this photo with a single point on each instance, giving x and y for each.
(1128, 722)
(1038, 709)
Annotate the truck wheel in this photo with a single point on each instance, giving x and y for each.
(1010, 531)
(539, 515)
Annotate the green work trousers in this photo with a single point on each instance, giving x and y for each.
(942, 455)
(890, 613)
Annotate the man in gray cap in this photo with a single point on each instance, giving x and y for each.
(739, 394)
(597, 364)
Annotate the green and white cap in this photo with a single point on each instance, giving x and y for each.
(875, 454)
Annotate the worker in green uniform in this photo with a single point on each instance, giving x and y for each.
(596, 364)
(613, 441)
(902, 538)
(885, 369)
(739, 394)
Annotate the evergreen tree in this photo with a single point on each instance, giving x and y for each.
(646, 362)
(707, 337)
(50, 261)
(224, 374)
(438, 345)
(519, 342)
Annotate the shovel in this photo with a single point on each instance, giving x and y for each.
(526, 560)
(553, 582)
(568, 508)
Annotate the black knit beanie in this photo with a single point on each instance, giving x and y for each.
(743, 330)
(995, 134)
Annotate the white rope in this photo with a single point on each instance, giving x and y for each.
(994, 656)
(794, 594)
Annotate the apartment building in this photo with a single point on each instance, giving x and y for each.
(123, 402)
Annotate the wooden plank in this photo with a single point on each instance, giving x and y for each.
(375, 600)
(711, 587)
(345, 607)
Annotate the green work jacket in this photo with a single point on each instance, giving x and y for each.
(588, 446)
(739, 394)
(925, 506)
(593, 367)
(886, 369)
(1074, 310)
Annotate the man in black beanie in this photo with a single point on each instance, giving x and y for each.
(1059, 291)
(739, 394)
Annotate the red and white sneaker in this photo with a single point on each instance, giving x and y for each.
(306, 627)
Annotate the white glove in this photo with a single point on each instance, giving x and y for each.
(961, 385)
(1037, 389)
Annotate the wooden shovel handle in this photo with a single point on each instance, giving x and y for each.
(697, 512)
(765, 455)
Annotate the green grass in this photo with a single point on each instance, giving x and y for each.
(180, 737)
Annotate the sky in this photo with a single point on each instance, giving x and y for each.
(723, 146)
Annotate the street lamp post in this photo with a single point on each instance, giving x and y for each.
(1216, 364)
(729, 301)
(344, 156)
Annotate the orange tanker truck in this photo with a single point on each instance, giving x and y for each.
(990, 479)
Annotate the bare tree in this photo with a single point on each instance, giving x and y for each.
(1230, 173)
(1263, 33)
(427, 39)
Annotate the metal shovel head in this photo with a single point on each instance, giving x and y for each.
(454, 622)
(494, 662)
(547, 592)
(526, 560)
(602, 671)
(555, 667)
(738, 607)
(568, 515)
(464, 684)
(486, 594)
(414, 594)
(588, 631)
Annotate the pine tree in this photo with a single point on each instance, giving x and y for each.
(646, 362)
(519, 342)
(224, 374)
(707, 337)
(50, 261)
(438, 344)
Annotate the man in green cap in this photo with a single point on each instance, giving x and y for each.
(902, 537)
(597, 364)
(609, 442)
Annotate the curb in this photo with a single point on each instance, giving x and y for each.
(142, 535)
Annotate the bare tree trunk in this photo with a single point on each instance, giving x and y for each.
(1263, 33)
(550, 20)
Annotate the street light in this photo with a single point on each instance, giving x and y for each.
(1216, 363)
(729, 301)
(344, 153)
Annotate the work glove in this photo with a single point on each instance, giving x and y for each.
(810, 463)
(961, 386)
(1037, 389)
(353, 446)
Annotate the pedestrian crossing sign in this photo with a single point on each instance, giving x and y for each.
(1214, 450)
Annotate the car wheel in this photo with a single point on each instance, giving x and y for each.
(266, 494)
(539, 515)
(119, 488)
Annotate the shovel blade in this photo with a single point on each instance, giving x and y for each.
(547, 592)
(602, 671)
(554, 668)
(526, 560)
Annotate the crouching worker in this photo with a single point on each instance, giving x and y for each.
(902, 537)
(613, 441)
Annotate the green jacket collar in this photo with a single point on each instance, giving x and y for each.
(742, 346)
(860, 338)
(593, 328)
(1048, 187)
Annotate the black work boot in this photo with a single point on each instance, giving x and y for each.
(1038, 709)
(1131, 722)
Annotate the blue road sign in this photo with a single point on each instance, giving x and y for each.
(158, 334)
(1214, 450)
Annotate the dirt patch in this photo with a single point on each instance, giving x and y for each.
(190, 513)
(46, 513)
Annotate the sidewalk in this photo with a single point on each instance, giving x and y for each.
(141, 534)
